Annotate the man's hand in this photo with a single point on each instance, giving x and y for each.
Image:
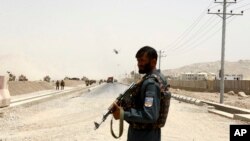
(116, 111)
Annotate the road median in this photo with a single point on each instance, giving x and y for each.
(30, 100)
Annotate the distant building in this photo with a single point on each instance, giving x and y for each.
(188, 76)
(206, 76)
(232, 77)
(197, 76)
(201, 76)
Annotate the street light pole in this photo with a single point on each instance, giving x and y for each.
(160, 56)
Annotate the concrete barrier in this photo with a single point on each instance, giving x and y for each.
(221, 113)
(244, 117)
(4, 92)
(227, 108)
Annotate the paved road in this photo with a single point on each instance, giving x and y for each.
(71, 119)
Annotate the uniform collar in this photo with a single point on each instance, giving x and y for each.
(154, 71)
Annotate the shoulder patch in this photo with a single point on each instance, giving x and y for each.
(148, 101)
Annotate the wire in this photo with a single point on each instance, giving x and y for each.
(201, 36)
(202, 41)
(191, 40)
(185, 40)
(189, 29)
(240, 1)
(241, 6)
(214, 6)
(197, 33)
(246, 9)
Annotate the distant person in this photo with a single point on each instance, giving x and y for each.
(57, 85)
(62, 85)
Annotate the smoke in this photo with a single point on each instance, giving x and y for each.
(19, 64)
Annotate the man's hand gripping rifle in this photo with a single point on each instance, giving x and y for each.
(122, 99)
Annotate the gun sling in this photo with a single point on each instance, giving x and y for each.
(120, 125)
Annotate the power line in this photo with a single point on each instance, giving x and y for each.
(190, 37)
(214, 6)
(247, 9)
(201, 31)
(241, 6)
(189, 42)
(202, 41)
(189, 29)
(240, 1)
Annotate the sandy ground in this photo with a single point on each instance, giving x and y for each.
(233, 100)
(71, 118)
(24, 87)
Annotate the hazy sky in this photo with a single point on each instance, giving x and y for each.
(77, 37)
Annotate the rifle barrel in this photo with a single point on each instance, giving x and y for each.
(97, 125)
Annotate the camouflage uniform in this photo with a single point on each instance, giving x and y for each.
(145, 111)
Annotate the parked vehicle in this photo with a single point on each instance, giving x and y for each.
(110, 80)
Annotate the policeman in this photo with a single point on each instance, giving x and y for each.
(62, 85)
(143, 115)
(57, 85)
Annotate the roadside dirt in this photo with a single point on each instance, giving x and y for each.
(71, 118)
(233, 100)
(24, 87)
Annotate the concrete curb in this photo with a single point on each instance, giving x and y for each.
(188, 99)
(244, 117)
(216, 108)
(227, 108)
(221, 113)
(234, 112)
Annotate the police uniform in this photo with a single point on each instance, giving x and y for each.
(144, 114)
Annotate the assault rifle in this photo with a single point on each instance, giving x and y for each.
(122, 99)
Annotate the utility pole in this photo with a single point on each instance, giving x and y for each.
(161, 54)
(224, 15)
